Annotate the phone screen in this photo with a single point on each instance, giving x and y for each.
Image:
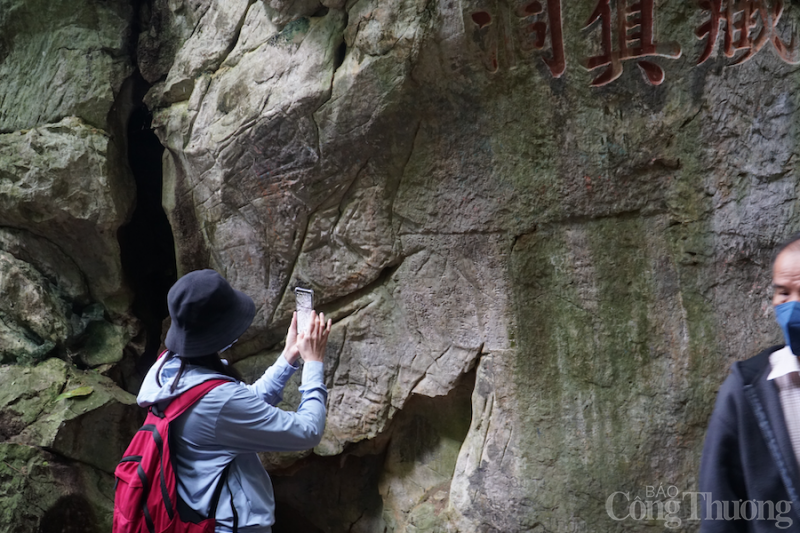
(304, 301)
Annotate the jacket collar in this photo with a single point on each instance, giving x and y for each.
(782, 362)
(758, 366)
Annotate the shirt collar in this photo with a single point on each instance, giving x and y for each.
(783, 362)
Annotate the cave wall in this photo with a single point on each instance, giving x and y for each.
(65, 320)
(563, 261)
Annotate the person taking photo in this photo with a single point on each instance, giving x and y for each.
(215, 442)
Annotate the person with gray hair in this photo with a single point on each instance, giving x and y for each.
(749, 475)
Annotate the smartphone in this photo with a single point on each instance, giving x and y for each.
(304, 302)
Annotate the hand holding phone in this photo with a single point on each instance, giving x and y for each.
(312, 330)
(311, 345)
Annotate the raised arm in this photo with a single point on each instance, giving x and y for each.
(248, 423)
(269, 387)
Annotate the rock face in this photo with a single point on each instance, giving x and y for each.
(41, 492)
(65, 187)
(582, 252)
(84, 422)
(65, 191)
(80, 415)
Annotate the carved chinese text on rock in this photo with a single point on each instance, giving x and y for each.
(499, 29)
(635, 24)
(503, 31)
(746, 26)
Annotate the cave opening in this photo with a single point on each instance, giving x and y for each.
(377, 484)
(69, 514)
(289, 519)
(344, 489)
(147, 245)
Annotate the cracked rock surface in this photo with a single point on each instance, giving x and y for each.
(536, 286)
(65, 188)
(597, 257)
(62, 432)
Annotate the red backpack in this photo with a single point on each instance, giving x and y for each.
(146, 498)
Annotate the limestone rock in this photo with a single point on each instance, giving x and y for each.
(260, 232)
(39, 492)
(166, 25)
(104, 344)
(489, 477)
(421, 456)
(601, 254)
(571, 239)
(57, 182)
(46, 308)
(82, 416)
(59, 60)
(65, 188)
(423, 350)
(204, 50)
(34, 319)
(37, 320)
(47, 258)
(65, 201)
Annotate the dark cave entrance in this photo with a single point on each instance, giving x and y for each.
(291, 520)
(146, 243)
(346, 489)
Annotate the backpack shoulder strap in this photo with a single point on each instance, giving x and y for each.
(190, 397)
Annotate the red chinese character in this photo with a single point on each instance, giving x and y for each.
(533, 34)
(487, 30)
(748, 25)
(635, 28)
(492, 28)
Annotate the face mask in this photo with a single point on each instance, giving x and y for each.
(788, 317)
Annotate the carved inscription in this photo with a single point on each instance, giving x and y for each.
(634, 37)
(746, 26)
(505, 32)
(519, 29)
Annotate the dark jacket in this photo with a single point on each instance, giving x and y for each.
(748, 455)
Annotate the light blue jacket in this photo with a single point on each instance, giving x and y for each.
(232, 423)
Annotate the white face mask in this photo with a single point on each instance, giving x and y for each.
(228, 346)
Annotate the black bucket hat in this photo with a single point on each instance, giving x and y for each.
(207, 314)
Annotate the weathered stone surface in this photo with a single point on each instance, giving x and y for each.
(61, 59)
(56, 181)
(489, 476)
(204, 50)
(34, 319)
(40, 493)
(65, 200)
(601, 254)
(165, 27)
(426, 439)
(45, 306)
(605, 249)
(82, 416)
(423, 350)
(47, 258)
(65, 186)
(65, 191)
(105, 343)
(352, 238)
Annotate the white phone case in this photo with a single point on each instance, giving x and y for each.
(304, 300)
